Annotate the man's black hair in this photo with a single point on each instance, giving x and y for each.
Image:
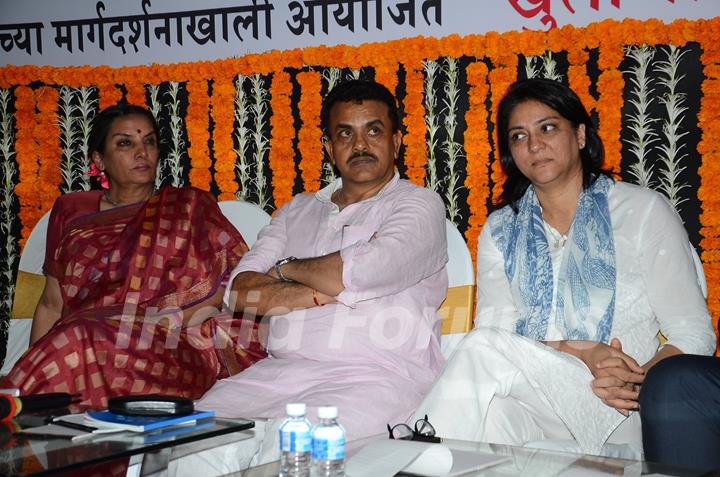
(357, 91)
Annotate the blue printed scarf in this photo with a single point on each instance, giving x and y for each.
(586, 284)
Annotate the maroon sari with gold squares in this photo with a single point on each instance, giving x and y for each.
(125, 275)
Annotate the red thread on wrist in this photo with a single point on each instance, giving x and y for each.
(315, 298)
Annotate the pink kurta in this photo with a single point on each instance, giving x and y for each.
(376, 353)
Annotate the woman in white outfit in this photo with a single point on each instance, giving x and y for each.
(577, 273)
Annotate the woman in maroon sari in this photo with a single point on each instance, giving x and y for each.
(134, 281)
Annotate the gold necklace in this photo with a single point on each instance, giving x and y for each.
(111, 201)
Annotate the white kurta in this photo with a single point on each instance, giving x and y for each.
(495, 372)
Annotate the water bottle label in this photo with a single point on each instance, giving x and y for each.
(295, 441)
(326, 449)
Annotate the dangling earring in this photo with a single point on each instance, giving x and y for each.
(102, 177)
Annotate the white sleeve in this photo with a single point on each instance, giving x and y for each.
(672, 281)
(495, 306)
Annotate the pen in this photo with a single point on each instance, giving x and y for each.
(72, 425)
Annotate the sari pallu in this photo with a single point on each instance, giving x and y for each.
(120, 271)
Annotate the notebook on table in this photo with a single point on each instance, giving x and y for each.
(111, 420)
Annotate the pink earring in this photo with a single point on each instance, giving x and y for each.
(95, 172)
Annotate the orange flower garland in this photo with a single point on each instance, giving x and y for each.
(196, 122)
(136, 93)
(500, 80)
(386, 74)
(28, 184)
(709, 171)
(577, 43)
(47, 138)
(109, 95)
(578, 79)
(310, 135)
(477, 148)
(610, 84)
(501, 49)
(415, 144)
(282, 135)
(609, 107)
(223, 114)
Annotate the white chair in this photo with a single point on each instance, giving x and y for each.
(460, 267)
(457, 309)
(247, 218)
(28, 288)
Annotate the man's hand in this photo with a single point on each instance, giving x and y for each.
(617, 376)
(272, 273)
(323, 273)
(324, 299)
(321, 298)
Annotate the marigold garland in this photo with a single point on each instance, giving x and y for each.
(709, 170)
(578, 79)
(196, 123)
(28, 183)
(310, 135)
(386, 74)
(109, 95)
(502, 49)
(500, 80)
(136, 93)
(477, 148)
(609, 107)
(223, 115)
(47, 138)
(415, 145)
(282, 135)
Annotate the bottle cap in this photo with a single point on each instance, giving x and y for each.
(295, 409)
(327, 412)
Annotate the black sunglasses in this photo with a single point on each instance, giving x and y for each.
(423, 431)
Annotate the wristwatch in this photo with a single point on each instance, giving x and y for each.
(279, 264)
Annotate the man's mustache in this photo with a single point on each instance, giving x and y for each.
(363, 154)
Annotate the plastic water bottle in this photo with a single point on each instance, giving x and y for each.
(295, 442)
(328, 444)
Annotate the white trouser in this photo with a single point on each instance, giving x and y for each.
(502, 388)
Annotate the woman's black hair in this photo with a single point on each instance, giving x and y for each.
(565, 102)
(357, 91)
(103, 121)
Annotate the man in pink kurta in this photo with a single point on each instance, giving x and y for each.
(352, 277)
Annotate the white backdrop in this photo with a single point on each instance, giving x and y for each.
(133, 32)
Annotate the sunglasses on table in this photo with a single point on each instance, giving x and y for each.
(423, 431)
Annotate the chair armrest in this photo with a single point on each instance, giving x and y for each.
(28, 290)
(457, 309)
